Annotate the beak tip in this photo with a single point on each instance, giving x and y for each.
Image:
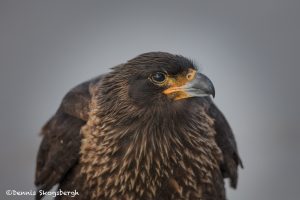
(213, 93)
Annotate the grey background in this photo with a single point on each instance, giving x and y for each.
(249, 49)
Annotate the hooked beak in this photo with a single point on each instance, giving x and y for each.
(200, 86)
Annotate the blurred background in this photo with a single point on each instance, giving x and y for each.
(249, 49)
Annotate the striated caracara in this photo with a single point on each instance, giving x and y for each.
(147, 130)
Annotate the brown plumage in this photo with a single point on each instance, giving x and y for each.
(147, 130)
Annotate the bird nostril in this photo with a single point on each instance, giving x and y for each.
(189, 76)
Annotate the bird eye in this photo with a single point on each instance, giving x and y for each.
(158, 77)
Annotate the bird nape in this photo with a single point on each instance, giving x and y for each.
(147, 130)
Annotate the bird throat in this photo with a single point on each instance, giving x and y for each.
(147, 158)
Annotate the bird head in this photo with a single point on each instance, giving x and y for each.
(157, 78)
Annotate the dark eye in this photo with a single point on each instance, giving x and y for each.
(158, 77)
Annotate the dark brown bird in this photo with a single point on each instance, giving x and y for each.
(147, 130)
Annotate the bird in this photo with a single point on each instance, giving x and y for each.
(146, 130)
